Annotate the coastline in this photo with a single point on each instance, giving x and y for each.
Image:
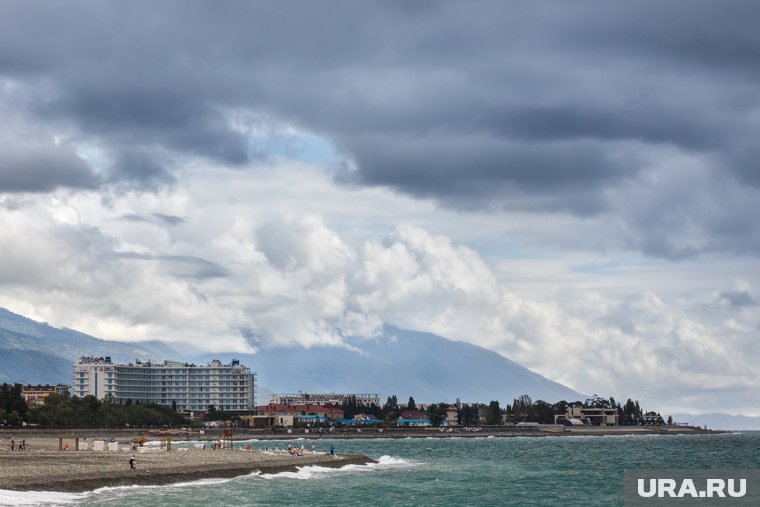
(124, 435)
(41, 467)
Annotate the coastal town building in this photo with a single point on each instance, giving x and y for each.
(302, 398)
(451, 415)
(413, 418)
(191, 388)
(329, 411)
(35, 395)
(281, 415)
(595, 416)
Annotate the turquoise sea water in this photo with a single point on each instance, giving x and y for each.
(457, 471)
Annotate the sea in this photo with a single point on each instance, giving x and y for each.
(487, 470)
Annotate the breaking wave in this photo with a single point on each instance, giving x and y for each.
(317, 471)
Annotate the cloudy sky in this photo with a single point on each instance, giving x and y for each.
(575, 185)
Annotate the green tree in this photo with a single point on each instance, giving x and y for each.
(522, 408)
(13, 403)
(411, 405)
(89, 412)
(598, 402)
(493, 413)
(437, 413)
(543, 412)
(210, 413)
(467, 415)
(350, 407)
(390, 409)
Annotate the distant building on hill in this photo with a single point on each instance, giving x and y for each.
(229, 387)
(35, 395)
(302, 398)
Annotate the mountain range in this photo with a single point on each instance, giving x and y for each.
(405, 363)
(32, 352)
(401, 362)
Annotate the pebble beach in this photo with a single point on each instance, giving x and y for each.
(42, 467)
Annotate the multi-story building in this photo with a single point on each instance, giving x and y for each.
(35, 395)
(230, 387)
(302, 398)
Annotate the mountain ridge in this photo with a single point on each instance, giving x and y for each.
(406, 363)
(403, 363)
(34, 352)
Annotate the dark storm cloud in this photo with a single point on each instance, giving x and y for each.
(474, 171)
(41, 168)
(478, 105)
(738, 298)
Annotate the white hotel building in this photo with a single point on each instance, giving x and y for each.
(230, 387)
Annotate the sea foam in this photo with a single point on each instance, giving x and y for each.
(9, 497)
(317, 471)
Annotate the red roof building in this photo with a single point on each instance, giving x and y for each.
(413, 414)
(35, 395)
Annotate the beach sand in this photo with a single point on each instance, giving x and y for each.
(41, 467)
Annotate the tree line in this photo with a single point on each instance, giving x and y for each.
(522, 409)
(64, 411)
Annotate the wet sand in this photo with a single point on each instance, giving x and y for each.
(41, 467)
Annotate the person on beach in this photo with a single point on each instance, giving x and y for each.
(332, 450)
(13, 445)
(132, 463)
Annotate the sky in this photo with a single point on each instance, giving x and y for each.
(574, 185)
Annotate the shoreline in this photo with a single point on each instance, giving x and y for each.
(179, 474)
(42, 467)
(354, 433)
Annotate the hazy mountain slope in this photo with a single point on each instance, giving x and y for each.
(33, 367)
(33, 352)
(423, 365)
